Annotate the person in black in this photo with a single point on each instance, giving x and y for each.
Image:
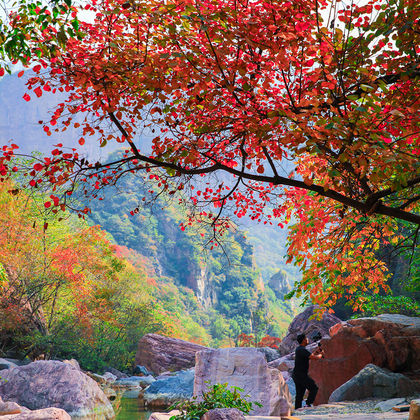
(300, 375)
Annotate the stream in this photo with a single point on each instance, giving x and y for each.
(130, 409)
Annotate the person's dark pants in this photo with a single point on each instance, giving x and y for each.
(303, 384)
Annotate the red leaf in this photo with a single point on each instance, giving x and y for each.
(38, 91)
(47, 204)
(1, 72)
(20, 74)
(26, 97)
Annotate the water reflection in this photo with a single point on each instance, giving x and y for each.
(130, 409)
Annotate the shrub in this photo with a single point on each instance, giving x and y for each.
(219, 396)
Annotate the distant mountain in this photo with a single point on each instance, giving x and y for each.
(231, 288)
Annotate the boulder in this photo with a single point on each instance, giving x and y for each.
(374, 382)
(163, 416)
(414, 410)
(284, 364)
(6, 364)
(134, 381)
(9, 408)
(100, 379)
(302, 324)
(116, 372)
(388, 404)
(388, 341)
(141, 370)
(158, 353)
(164, 392)
(43, 384)
(109, 377)
(51, 413)
(73, 362)
(269, 353)
(224, 414)
(245, 368)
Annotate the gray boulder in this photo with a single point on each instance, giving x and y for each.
(269, 353)
(6, 364)
(141, 370)
(45, 384)
(109, 377)
(166, 391)
(303, 323)
(374, 382)
(245, 368)
(134, 381)
(284, 364)
(388, 404)
(116, 372)
(224, 414)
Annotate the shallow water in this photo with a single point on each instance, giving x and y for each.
(130, 409)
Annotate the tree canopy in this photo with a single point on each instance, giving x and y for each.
(239, 88)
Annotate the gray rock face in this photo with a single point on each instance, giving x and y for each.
(164, 392)
(388, 404)
(302, 324)
(269, 353)
(224, 414)
(45, 384)
(159, 353)
(280, 283)
(245, 368)
(374, 382)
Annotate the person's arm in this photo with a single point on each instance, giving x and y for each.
(317, 354)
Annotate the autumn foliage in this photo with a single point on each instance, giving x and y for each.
(248, 340)
(239, 88)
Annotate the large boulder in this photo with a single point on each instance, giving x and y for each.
(388, 341)
(159, 354)
(45, 384)
(245, 368)
(164, 392)
(374, 382)
(302, 324)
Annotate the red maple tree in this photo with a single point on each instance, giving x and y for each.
(239, 88)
